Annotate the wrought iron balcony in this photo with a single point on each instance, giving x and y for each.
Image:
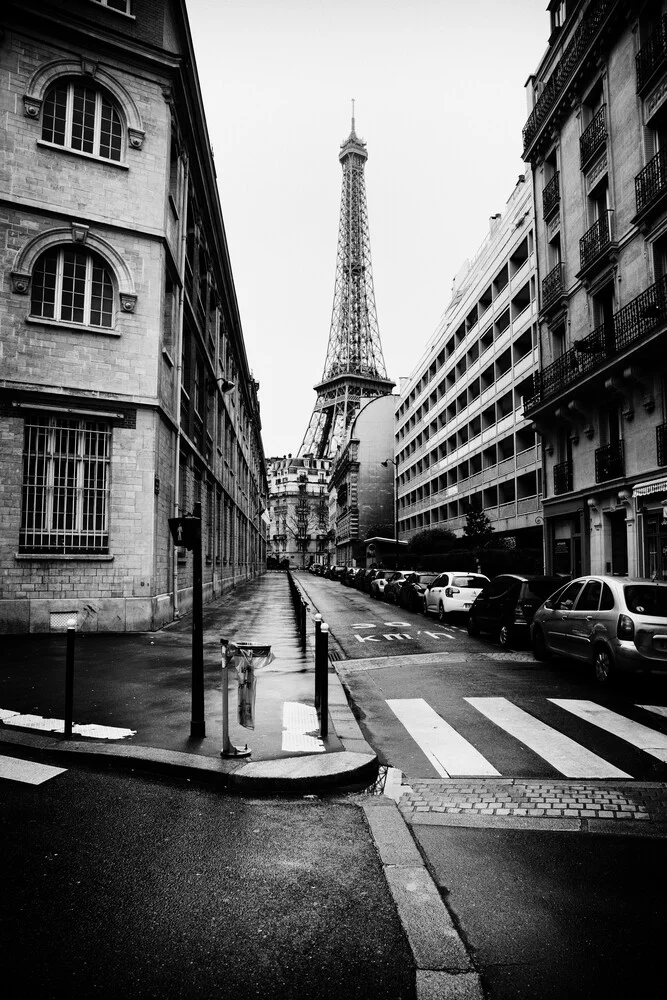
(582, 39)
(551, 195)
(552, 286)
(609, 462)
(593, 138)
(638, 319)
(652, 54)
(661, 442)
(651, 183)
(595, 240)
(563, 477)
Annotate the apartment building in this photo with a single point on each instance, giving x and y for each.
(596, 139)
(299, 510)
(126, 396)
(462, 439)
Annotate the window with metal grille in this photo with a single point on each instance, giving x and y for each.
(74, 286)
(82, 118)
(122, 5)
(65, 497)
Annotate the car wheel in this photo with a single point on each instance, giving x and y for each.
(442, 614)
(473, 627)
(540, 649)
(603, 662)
(505, 636)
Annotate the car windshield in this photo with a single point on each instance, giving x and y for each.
(469, 581)
(425, 579)
(541, 589)
(643, 599)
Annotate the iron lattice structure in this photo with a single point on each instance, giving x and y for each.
(354, 369)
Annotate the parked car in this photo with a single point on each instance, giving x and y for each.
(379, 583)
(507, 604)
(453, 591)
(394, 582)
(350, 575)
(367, 578)
(336, 572)
(411, 591)
(613, 623)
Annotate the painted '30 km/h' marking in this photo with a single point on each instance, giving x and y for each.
(394, 636)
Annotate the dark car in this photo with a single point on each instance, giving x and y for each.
(410, 594)
(367, 578)
(350, 576)
(506, 606)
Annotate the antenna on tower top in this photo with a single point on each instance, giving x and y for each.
(353, 114)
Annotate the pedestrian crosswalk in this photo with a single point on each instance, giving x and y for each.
(452, 755)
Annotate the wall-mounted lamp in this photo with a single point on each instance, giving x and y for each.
(225, 385)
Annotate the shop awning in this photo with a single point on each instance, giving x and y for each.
(655, 486)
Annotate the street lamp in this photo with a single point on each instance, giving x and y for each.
(386, 465)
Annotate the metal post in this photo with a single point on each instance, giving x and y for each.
(197, 723)
(302, 622)
(318, 634)
(324, 682)
(69, 679)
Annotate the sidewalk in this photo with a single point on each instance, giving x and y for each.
(140, 685)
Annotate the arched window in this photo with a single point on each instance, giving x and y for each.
(82, 117)
(74, 286)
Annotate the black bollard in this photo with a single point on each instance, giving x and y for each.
(318, 633)
(324, 681)
(69, 680)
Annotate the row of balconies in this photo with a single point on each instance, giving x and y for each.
(512, 510)
(609, 463)
(627, 327)
(509, 297)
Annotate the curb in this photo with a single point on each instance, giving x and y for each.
(443, 967)
(295, 775)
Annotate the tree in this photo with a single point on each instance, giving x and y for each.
(433, 540)
(478, 527)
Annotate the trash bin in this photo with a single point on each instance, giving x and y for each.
(245, 658)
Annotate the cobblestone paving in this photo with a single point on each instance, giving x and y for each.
(641, 801)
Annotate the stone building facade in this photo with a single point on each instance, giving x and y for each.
(119, 326)
(462, 438)
(299, 511)
(596, 137)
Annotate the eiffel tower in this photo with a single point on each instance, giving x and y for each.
(354, 369)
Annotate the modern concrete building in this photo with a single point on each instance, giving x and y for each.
(595, 138)
(299, 510)
(362, 482)
(126, 395)
(462, 439)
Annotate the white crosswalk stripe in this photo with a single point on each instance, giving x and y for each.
(566, 756)
(451, 755)
(642, 737)
(27, 771)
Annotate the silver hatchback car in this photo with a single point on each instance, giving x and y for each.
(611, 622)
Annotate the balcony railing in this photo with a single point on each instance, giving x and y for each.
(595, 240)
(552, 285)
(573, 53)
(652, 54)
(594, 137)
(636, 320)
(551, 195)
(609, 462)
(652, 181)
(661, 442)
(563, 477)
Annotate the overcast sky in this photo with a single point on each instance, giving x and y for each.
(440, 101)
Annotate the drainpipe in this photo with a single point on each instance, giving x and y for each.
(179, 368)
